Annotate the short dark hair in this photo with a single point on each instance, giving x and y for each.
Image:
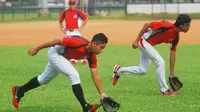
(182, 19)
(100, 38)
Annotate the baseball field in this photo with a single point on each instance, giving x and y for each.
(135, 93)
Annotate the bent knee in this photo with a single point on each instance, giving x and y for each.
(74, 78)
(143, 71)
(160, 63)
(43, 81)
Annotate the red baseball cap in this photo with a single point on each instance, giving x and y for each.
(72, 2)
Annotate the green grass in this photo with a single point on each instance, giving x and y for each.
(31, 16)
(139, 16)
(112, 14)
(135, 93)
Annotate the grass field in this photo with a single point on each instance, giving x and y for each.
(117, 14)
(135, 93)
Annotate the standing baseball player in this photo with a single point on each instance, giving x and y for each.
(60, 51)
(71, 18)
(152, 34)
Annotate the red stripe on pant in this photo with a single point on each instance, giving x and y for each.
(141, 43)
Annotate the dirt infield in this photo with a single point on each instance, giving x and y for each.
(118, 31)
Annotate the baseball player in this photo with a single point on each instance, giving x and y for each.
(71, 18)
(151, 34)
(58, 54)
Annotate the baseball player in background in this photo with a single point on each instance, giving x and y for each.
(152, 34)
(71, 17)
(60, 51)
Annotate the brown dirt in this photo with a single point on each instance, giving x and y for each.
(118, 31)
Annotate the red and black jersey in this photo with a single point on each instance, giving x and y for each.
(71, 17)
(75, 48)
(163, 32)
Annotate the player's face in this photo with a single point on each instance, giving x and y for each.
(185, 28)
(72, 6)
(98, 48)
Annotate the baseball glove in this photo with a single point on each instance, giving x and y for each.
(109, 104)
(175, 83)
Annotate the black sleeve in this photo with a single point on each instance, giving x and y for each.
(174, 43)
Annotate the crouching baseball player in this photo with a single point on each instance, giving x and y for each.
(60, 51)
(152, 34)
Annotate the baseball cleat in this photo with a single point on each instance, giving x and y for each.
(92, 108)
(115, 77)
(168, 93)
(84, 62)
(16, 98)
(74, 63)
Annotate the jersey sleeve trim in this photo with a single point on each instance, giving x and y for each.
(174, 43)
(62, 16)
(91, 61)
(159, 30)
(81, 14)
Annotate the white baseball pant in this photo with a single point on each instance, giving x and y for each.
(147, 54)
(71, 33)
(75, 32)
(58, 64)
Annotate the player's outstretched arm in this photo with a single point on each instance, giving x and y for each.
(97, 82)
(33, 51)
(142, 31)
(172, 62)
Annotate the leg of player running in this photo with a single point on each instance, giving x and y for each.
(131, 70)
(18, 91)
(156, 59)
(48, 74)
(136, 70)
(147, 53)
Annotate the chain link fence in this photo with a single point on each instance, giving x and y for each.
(20, 10)
(50, 9)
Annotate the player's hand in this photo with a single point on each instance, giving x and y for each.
(103, 95)
(63, 30)
(135, 44)
(32, 51)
